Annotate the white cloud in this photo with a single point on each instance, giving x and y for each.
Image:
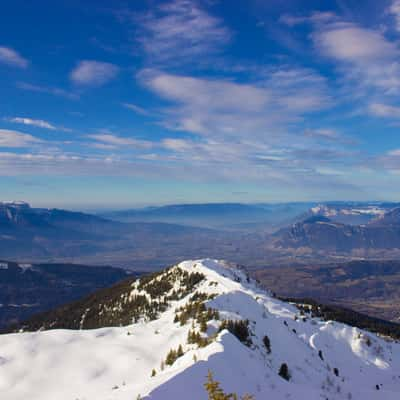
(366, 58)
(315, 17)
(213, 151)
(394, 9)
(50, 90)
(93, 73)
(33, 122)
(56, 164)
(384, 110)
(11, 57)
(103, 146)
(195, 160)
(14, 164)
(136, 109)
(112, 141)
(224, 108)
(389, 161)
(181, 30)
(349, 42)
(9, 138)
(395, 153)
(217, 94)
(330, 134)
(178, 145)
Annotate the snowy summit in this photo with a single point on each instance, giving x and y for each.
(183, 322)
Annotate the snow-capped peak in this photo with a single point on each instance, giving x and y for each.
(324, 210)
(199, 316)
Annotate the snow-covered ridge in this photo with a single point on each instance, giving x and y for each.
(327, 211)
(14, 203)
(325, 359)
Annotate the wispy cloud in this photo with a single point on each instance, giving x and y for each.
(315, 18)
(384, 110)
(93, 73)
(180, 30)
(49, 90)
(107, 140)
(33, 122)
(38, 123)
(9, 138)
(12, 57)
(367, 59)
(389, 161)
(29, 163)
(137, 109)
(220, 107)
(329, 134)
(394, 10)
(250, 130)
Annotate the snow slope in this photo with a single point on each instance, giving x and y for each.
(117, 363)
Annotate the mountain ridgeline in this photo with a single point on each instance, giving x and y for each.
(173, 327)
(120, 305)
(247, 234)
(145, 297)
(232, 216)
(42, 235)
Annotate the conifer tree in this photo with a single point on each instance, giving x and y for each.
(267, 343)
(171, 357)
(216, 393)
(203, 325)
(284, 371)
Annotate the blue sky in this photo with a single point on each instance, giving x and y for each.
(116, 104)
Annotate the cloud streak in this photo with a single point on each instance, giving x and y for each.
(39, 123)
(10, 138)
(49, 90)
(110, 141)
(394, 10)
(384, 110)
(12, 58)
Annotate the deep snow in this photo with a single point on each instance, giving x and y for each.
(116, 363)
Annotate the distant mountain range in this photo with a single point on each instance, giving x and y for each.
(321, 230)
(26, 289)
(350, 213)
(149, 238)
(236, 216)
(28, 233)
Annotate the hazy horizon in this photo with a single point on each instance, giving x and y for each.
(120, 207)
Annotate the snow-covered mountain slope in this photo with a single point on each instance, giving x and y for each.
(325, 359)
